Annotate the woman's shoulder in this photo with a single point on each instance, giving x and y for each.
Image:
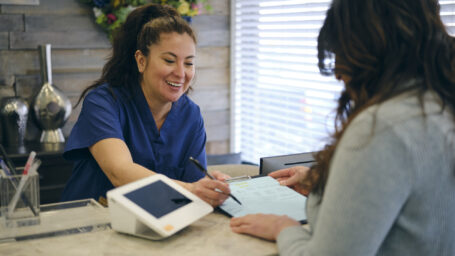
(412, 118)
(103, 90)
(106, 93)
(187, 105)
(407, 107)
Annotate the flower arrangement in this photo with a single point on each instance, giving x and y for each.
(111, 14)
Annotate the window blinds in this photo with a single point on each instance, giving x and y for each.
(280, 102)
(448, 14)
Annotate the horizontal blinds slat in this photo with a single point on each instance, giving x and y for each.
(280, 2)
(284, 34)
(274, 90)
(306, 105)
(255, 24)
(270, 82)
(307, 97)
(263, 9)
(318, 126)
(296, 134)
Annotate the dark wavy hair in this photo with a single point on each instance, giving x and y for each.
(381, 45)
(141, 29)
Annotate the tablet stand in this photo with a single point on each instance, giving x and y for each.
(125, 221)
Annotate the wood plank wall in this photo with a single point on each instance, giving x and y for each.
(79, 49)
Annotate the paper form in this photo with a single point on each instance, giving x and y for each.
(264, 195)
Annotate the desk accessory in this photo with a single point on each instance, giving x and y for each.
(154, 207)
(52, 108)
(30, 173)
(11, 177)
(19, 203)
(19, 200)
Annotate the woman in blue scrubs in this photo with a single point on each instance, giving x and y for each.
(137, 120)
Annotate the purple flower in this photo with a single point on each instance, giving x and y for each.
(111, 18)
(100, 3)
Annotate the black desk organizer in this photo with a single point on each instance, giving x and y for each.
(54, 171)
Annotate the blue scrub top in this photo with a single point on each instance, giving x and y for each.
(128, 117)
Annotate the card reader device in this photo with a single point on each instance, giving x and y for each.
(154, 207)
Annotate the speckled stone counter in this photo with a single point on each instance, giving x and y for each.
(210, 235)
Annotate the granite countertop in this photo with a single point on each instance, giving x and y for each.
(210, 235)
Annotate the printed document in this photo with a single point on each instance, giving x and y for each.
(264, 195)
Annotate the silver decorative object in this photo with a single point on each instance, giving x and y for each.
(52, 108)
(14, 115)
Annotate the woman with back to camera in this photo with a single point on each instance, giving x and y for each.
(137, 120)
(385, 184)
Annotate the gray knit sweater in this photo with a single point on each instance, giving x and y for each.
(390, 193)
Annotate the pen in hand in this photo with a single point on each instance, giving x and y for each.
(200, 167)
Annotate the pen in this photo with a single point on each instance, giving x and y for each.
(19, 191)
(200, 167)
(29, 162)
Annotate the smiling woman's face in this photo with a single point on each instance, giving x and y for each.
(168, 69)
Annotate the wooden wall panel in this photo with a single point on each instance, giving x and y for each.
(66, 23)
(4, 40)
(211, 100)
(58, 39)
(213, 57)
(207, 78)
(20, 2)
(50, 7)
(217, 147)
(11, 22)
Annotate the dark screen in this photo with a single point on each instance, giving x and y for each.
(158, 198)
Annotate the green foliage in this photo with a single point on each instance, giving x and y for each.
(111, 14)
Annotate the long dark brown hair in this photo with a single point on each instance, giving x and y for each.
(141, 29)
(382, 44)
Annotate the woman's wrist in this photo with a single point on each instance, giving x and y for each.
(284, 223)
(186, 185)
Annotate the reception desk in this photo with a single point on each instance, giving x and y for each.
(211, 235)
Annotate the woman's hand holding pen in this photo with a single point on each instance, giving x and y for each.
(217, 177)
(293, 177)
(206, 190)
(220, 176)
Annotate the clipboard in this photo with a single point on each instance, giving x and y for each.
(273, 163)
(241, 178)
(263, 194)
